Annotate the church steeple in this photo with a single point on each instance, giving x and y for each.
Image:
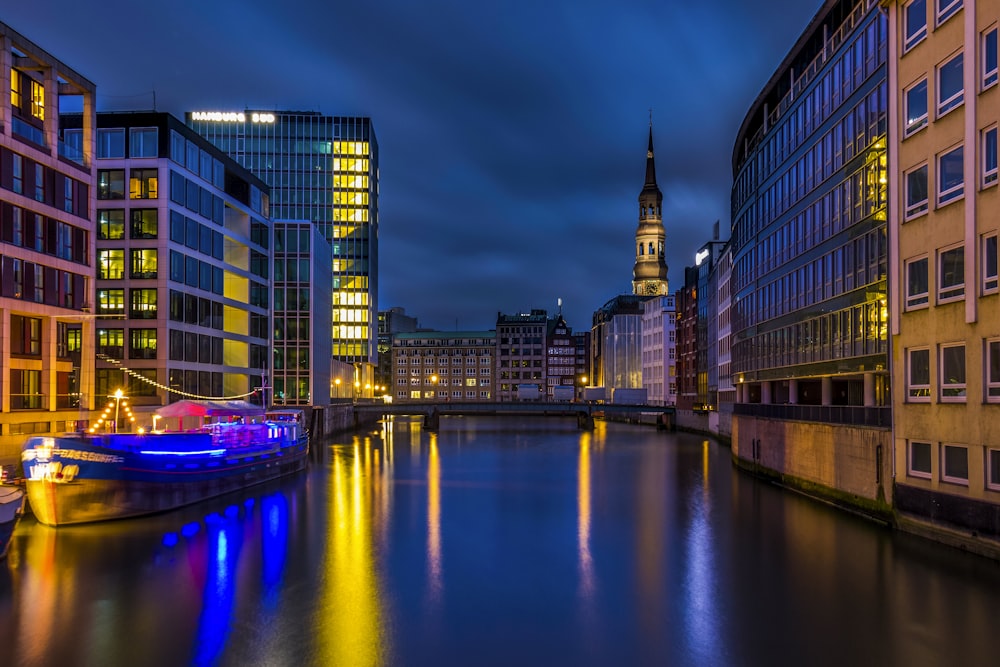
(649, 275)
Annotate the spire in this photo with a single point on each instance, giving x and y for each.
(650, 163)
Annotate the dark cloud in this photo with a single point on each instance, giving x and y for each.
(512, 134)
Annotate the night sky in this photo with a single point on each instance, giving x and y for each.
(512, 134)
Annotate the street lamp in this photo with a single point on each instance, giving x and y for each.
(337, 382)
(118, 396)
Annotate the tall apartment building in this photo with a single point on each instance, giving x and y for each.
(443, 366)
(46, 244)
(323, 169)
(809, 291)
(196, 324)
(944, 103)
(521, 352)
(659, 351)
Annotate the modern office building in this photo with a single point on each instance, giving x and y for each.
(300, 359)
(323, 169)
(521, 352)
(659, 352)
(944, 103)
(809, 313)
(616, 343)
(443, 366)
(183, 272)
(46, 245)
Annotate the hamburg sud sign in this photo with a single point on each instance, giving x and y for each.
(233, 116)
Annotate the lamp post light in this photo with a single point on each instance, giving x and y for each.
(337, 383)
(118, 399)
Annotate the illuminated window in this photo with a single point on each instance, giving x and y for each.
(917, 294)
(143, 263)
(918, 375)
(946, 9)
(918, 457)
(37, 100)
(915, 99)
(111, 301)
(916, 192)
(951, 176)
(915, 22)
(110, 263)
(142, 344)
(111, 224)
(955, 464)
(142, 184)
(111, 343)
(952, 364)
(950, 87)
(144, 224)
(15, 89)
(142, 303)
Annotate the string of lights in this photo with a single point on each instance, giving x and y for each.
(186, 394)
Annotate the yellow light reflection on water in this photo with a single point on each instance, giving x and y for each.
(583, 518)
(350, 623)
(434, 519)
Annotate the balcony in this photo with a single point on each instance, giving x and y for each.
(853, 415)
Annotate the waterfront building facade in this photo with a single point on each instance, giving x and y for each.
(521, 352)
(616, 343)
(659, 351)
(686, 301)
(183, 240)
(323, 169)
(560, 360)
(720, 420)
(300, 359)
(649, 273)
(47, 203)
(945, 322)
(808, 288)
(443, 366)
(390, 322)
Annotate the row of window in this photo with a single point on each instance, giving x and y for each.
(31, 104)
(111, 343)
(143, 142)
(953, 463)
(142, 184)
(950, 373)
(444, 371)
(195, 198)
(111, 263)
(950, 176)
(195, 348)
(291, 299)
(24, 176)
(37, 283)
(443, 360)
(456, 382)
(417, 395)
(49, 236)
(194, 272)
(143, 224)
(198, 237)
(950, 274)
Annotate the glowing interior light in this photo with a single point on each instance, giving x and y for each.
(203, 452)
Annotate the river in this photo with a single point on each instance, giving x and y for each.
(495, 542)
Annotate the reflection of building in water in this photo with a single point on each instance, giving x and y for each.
(433, 519)
(583, 518)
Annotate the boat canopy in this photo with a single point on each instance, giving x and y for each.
(190, 408)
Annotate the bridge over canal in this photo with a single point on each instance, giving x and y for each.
(584, 413)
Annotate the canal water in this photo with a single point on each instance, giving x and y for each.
(490, 543)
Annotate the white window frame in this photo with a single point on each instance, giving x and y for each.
(952, 391)
(955, 291)
(920, 122)
(919, 208)
(910, 470)
(956, 99)
(955, 192)
(909, 41)
(989, 136)
(946, 9)
(916, 300)
(992, 482)
(989, 76)
(991, 380)
(952, 479)
(988, 255)
(917, 393)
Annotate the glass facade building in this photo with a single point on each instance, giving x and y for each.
(808, 284)
(323, 169)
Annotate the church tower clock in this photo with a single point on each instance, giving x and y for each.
(649, 274)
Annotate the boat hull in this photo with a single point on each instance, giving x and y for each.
(11, 502)
(113, 484)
